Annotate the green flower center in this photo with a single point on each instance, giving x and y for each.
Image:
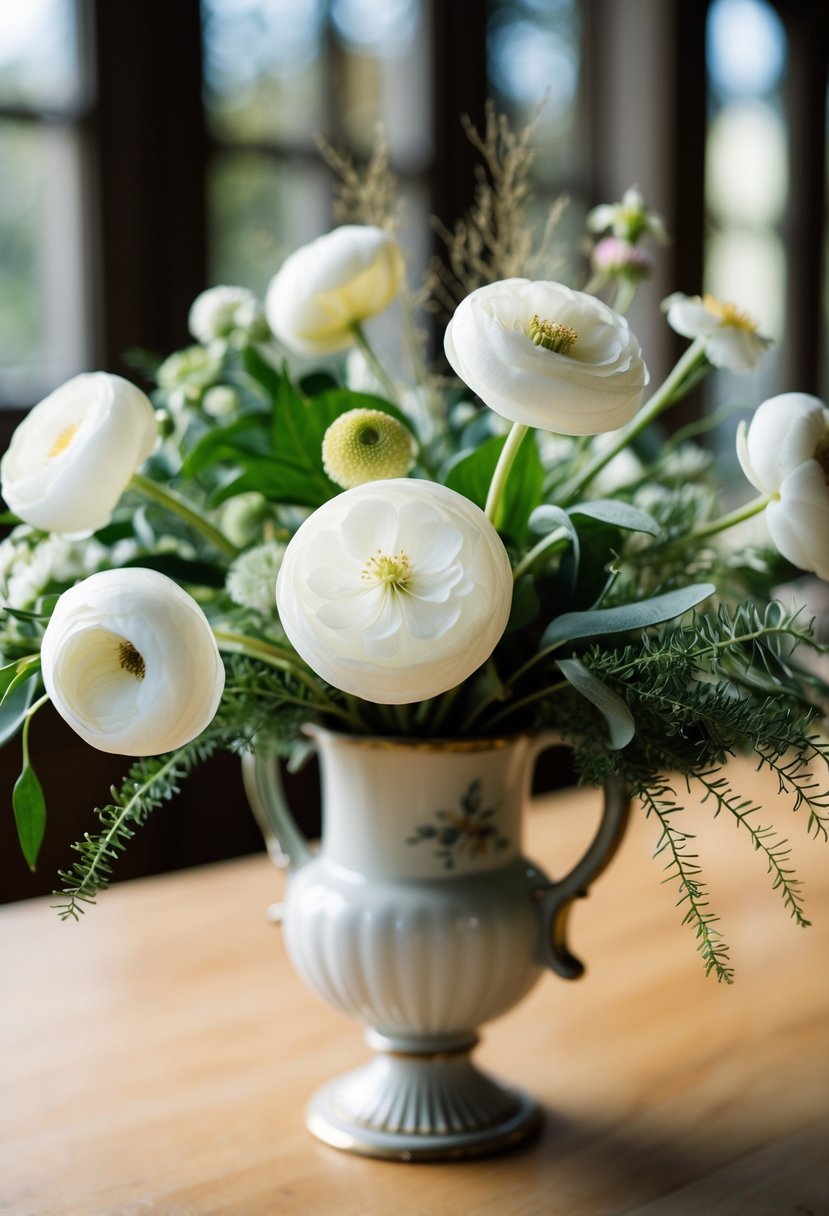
(552, 335)
(131, 660)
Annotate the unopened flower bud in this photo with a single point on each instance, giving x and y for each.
(620, 260)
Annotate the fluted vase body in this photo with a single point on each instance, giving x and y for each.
(419, 917)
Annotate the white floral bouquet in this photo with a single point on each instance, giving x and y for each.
(297, 528)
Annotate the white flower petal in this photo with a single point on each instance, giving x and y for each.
(799, 521)
(130, 662)
(71, 457)
(399, 646)
(595, 386)
(784, 431)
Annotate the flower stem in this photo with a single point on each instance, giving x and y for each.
(625, 293)
(532, 555)
(276, 656)
(179, 506)
(737, 516)
(494, 499)
(373, 362)
(681, 378)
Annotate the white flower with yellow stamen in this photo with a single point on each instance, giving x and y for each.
(366, 445)
(546, 356)
(729, 335)
(131, 664)
(784, 452)
(71, 457)
(395, 591)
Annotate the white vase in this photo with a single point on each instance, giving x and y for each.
(420, 918)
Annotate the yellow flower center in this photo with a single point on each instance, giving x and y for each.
(729, 314)
(63, 440)
(552, 335)
(390, 569)
(129, 659)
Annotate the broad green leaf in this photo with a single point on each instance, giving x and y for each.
(245, 436)
(622, 514)
(471, 476)
(599, 621)
(29, 813)
(525, 605)
(341, 400)
(13, 709)
(546, 519)
(17, 673)
(610, 705)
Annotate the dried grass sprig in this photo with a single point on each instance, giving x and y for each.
(366, 194)
(495, 240)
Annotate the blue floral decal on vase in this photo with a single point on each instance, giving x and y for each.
(468, 832)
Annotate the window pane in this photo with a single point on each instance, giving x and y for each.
(39, 56)
(533, 59)
(746, 186)
(261, 209)
(43, 318)
(381, 56)
(264, 68)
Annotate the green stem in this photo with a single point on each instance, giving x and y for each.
(275, 656)
(721, 524)
(27, 721)
(532, 555)
(737, 516)
(524, 701)
(674, 387)
(625, 294)
(494, 499)
(179, 506)
(373, 362)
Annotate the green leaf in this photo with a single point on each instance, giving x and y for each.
(13, 709)
(610, 705)
(245, 436)
(599, 621)
(341, 400)
(29, 813)
(471, 475)
(525, 605)
(546, 519)
(17, 673)
(622, 514)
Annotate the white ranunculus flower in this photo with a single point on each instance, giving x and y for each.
(785, 452)
(395, 591)
(72, 456)
(546, 356)
(730, 335)
(220, 312)
(130, 662)
(326, 287)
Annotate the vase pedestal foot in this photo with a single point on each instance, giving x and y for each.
(421, 1106)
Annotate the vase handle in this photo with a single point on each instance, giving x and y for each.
(286, 845)
(557, 898)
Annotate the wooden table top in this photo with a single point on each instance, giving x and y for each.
(157, 1056)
